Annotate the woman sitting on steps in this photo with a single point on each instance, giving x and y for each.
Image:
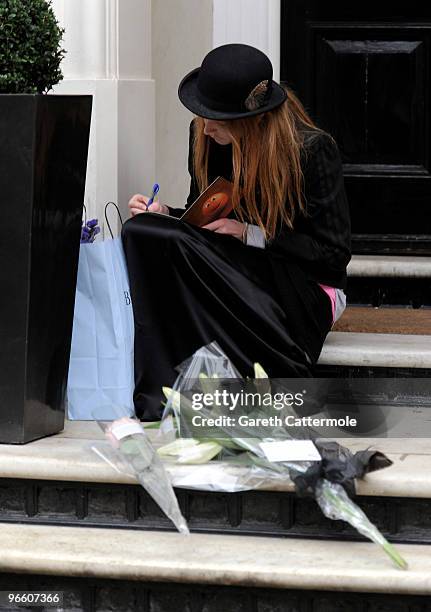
(266, 282)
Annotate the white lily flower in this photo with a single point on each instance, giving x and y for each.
(177, 447)
(202, 453)
(259, 372)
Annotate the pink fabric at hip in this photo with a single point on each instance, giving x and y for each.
(330, 291)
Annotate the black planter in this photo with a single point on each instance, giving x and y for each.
(43, 160)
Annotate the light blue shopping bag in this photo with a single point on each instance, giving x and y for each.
(101, 375)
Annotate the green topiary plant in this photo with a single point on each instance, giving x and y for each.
(30, 51)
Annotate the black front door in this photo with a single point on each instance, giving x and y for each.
(363, 71)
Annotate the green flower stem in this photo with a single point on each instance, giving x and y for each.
(337, 505)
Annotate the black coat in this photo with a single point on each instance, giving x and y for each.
(320, 241)
(258, 304)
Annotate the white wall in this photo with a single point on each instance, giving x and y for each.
(131, 55)
(182, 35)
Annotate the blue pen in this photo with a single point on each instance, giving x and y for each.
(155, 191)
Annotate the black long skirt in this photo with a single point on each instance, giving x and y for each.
(191, 286)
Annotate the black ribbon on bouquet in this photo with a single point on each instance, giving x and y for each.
(339, 465)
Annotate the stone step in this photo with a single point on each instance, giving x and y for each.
(215, 572)
(385, 320)
(389, 266)
(389, 280)
(377, 350)
(61, 481)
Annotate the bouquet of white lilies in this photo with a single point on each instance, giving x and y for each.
(237, 458)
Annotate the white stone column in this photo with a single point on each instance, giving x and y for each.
(252, 22)
(108, 44)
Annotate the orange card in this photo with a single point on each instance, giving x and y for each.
(213, 203)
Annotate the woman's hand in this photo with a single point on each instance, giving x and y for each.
(138, 204)
(227, 226)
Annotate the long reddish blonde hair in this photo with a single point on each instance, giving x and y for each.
(266, 160)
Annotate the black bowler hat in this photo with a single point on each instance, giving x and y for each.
(234, 81)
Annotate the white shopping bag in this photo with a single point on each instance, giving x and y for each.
(101, 375)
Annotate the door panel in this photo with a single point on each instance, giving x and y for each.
(366, 79)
